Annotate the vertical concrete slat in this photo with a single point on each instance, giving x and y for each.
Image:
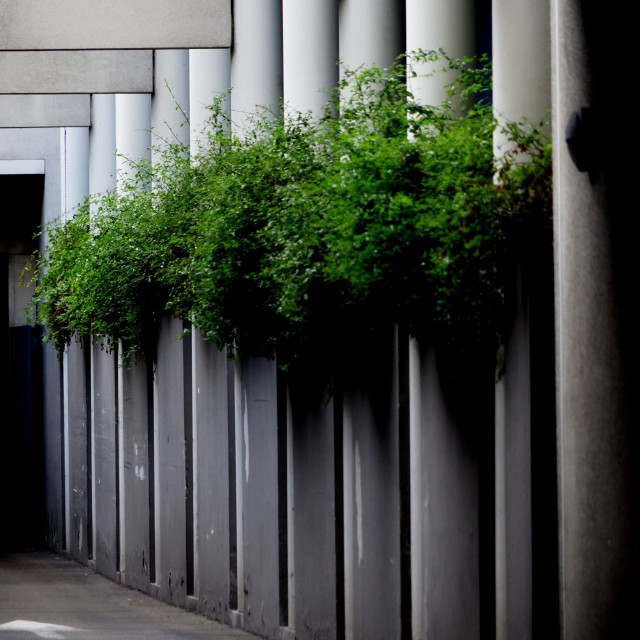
(211, 468)
(260, 496)
(170, 465)
(77, 464)
(449, 511)
(136, 474)
(105, 454)
(314, 513)
(372, 496)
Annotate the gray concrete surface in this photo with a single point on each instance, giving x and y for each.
(46, 596)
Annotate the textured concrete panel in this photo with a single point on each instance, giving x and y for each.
(44, 111)
(106, 459)
(260, 496)
(136, 475)
(211, 462)
(449, 515)
(78, 464)
(314, 514)
(372, 497)
(170, 465)
(23, 72)
(118, 24)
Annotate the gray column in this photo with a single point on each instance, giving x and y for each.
(74, 160)
(314, 486)
(76, 428)
(102, 143)
(521, 89)
(372, 496)
(596, 332)
(259, 478)
(310, 53)
(211, 476)
(170, 465)
(136, 476)
(445, 514)
(105, 468)
(256, 60)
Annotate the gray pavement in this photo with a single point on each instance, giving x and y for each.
(45, 596)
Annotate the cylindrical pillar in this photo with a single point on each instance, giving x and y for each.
(170, 100)
(209, 77)
(438, 24)
(310, 53)
(133, 131)
(371, 32)
(256, 60)
(596, 329)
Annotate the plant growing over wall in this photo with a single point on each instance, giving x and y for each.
(300, 236)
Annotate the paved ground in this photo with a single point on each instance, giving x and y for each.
(44, 596)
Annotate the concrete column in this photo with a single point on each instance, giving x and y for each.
(105, 467)
(596, 330)
(133, 131)
(102, 143)
(136, 476)
(314, 516)
(445, 554)
(170, 476)
(74, 160)
(170, 100)
(371, 32)
(211, 476)
(310, 53)
(209, 77)
(259, 478)
(372, 496)
(438, 24)
(256, 60)
(521, 89)
(521, 61)
(77, 462)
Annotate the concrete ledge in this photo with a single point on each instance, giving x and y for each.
(45, 111)
(117, 24)
(21, 167)
(76, 72)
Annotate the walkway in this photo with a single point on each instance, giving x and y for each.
(45, 596)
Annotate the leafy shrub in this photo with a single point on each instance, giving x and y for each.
(304, 235)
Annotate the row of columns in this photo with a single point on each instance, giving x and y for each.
(290, 49)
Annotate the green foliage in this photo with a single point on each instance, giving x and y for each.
(302, 236)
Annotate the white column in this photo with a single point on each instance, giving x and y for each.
(438, 24)
(133, 130)
(256, 59)
(371, 32)
(209, 76)
(521, 60)
(310, 53)
(74, 151)
(170, 100)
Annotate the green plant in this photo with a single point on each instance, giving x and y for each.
(302, 236)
